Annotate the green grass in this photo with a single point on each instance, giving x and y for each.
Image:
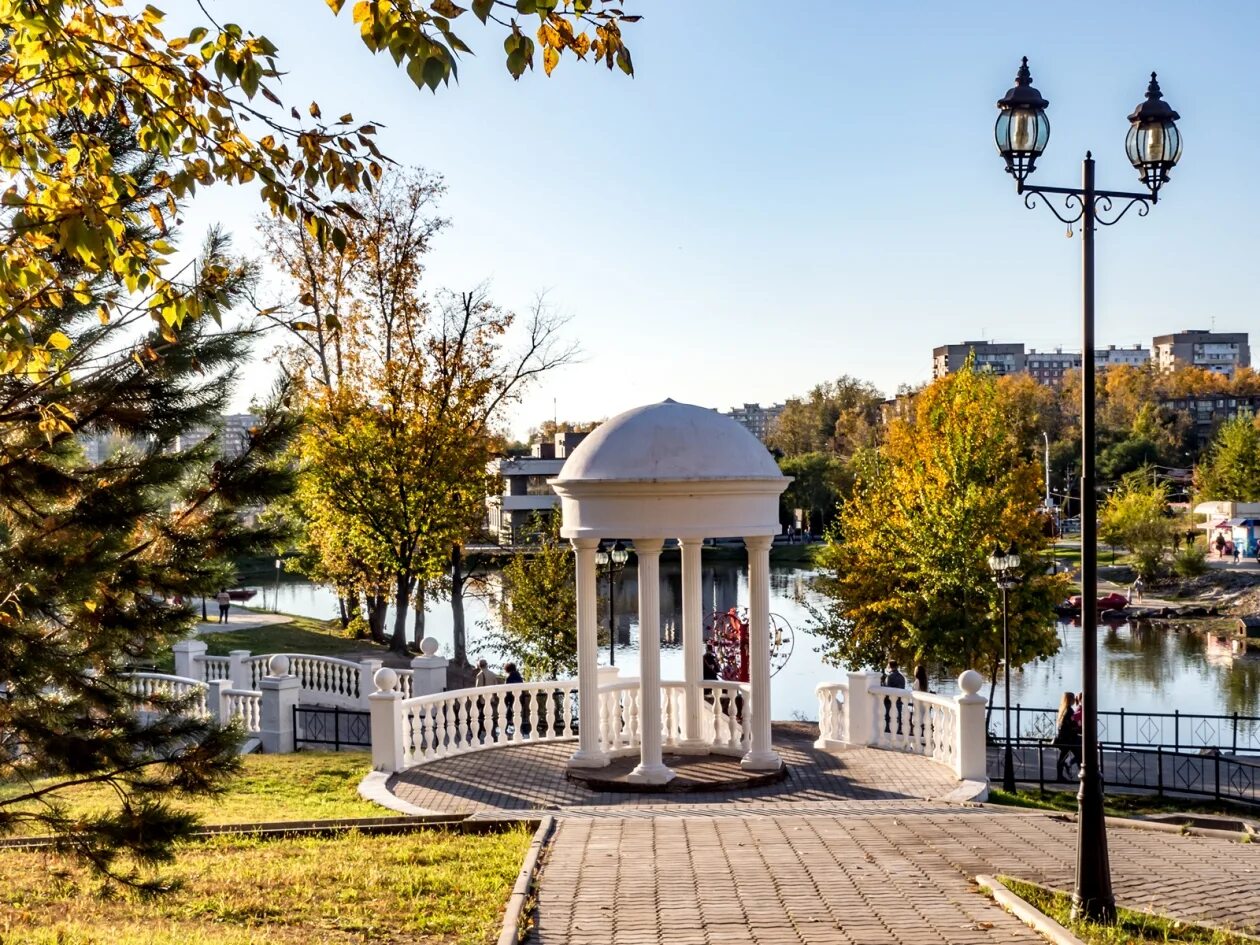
(1131, 928)
(1120, 805)
(424, 888)
(301, 786)
(299, 635)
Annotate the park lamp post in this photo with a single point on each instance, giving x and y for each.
(1153, 146)
(1005, 568)
(611, 561)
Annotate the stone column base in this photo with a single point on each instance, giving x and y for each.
(761, 761)
(651, 774)
(588, 759)
(697, 746)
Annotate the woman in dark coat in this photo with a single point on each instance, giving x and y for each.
(1067, 736)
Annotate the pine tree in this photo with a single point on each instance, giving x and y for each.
(93, 551)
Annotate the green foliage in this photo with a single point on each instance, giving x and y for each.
(1135, 516)
(1190, 561)
(92, 552)
(819, 481)
(207, 103)
(1127, 456)
(537, 625)
(905, 571)
(834, 417)
(1231, 471)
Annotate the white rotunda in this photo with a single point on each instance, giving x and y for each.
(671, 470)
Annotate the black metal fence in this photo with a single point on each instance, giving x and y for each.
(1175, 731)
(1210, 774)
(328, 725)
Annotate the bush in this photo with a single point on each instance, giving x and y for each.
(1190, 562)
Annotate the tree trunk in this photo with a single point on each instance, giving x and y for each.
(376, 605)
(344, 611)
(457, 606)
(419, 622)
(402, 600)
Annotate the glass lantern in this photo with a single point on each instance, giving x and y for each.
(1022, 130)
(1153, 144)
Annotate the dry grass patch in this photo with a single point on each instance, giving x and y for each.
(421, 888)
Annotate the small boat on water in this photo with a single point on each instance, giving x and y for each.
(242, 593)
(1112, 601)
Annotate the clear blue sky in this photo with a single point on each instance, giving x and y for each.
(786, 193)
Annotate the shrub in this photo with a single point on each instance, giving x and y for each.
(1190, 562)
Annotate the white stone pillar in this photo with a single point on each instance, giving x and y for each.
(216, 699)
(388, 731)
(187, 659)
(279, 695)
(589, 753)
(367, 673)
(650, 769)
(428, 671)
(693, 646)
(760, 756)
(239, 671)
(861, 713)
(970, 750)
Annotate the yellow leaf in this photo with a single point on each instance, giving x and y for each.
(550, 59)
(59, 341)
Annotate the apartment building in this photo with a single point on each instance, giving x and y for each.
(989, 356)
(755, 418)
(1220, 352)
(1048, 367)
(1208, 411)
(525, 492)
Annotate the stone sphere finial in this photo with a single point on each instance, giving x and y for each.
(970, 682)
(386, 679)
(429, 646)
(278, 665)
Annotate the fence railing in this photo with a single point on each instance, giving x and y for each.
(948, 730)
(452, 723)
(1177, 731)
(1158, 769)
(725, 716)
(243, 705)
(155, 691)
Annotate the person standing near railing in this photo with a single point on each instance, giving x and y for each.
(1067, 736)
(512, 678)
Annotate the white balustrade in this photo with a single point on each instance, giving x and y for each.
(452, 723)
(214, 667)
(947, 729)
(404, 683)
(833, 718)
(245, 705)
(724, 716)
(151, 688)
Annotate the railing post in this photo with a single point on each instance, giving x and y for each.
(279, 695)
(186, 654)
(1159, 761)
(216, 699)
(859, 717)
(238, 669)
(428, 671)
(1216, 777)
(1122, 728)
(971, 741)
(1176, 730)
(1235, 748)
(387, 722)
(1041, 767)
(367, 672)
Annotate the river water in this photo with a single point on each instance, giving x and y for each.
(1141, 667)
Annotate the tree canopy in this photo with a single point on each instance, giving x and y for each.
(904, 570)
(1231, 470)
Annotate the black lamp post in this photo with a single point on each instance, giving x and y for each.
(1005, 568)
(1153, 147)
(611, 561)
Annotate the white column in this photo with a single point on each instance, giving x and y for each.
(693, 646)
(389, 750)
(970, 740)
(188, 655)
(428, 670)
(280, 690)
(861, 713)
(650, 769)
(760, 756)
(589, 753)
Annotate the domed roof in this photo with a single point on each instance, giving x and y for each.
(669, 441)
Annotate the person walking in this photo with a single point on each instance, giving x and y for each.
(1135, 592)
(1067, 736)
(1234, 549)
(224, 600)
(512, 677)
(892, 679)
(1219, 544)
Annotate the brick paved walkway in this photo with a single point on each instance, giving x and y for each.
(856, 879)
(531, 777)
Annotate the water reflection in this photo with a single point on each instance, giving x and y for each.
(1142, 667)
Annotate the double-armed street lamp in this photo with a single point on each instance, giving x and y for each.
(1005, 568)
(1153, 147)
(611, 561)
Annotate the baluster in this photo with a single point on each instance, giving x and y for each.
(632, 696)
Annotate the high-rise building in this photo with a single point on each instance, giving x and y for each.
(756, 419)
(1220, 352)
(1048, 367)
(989, 356)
